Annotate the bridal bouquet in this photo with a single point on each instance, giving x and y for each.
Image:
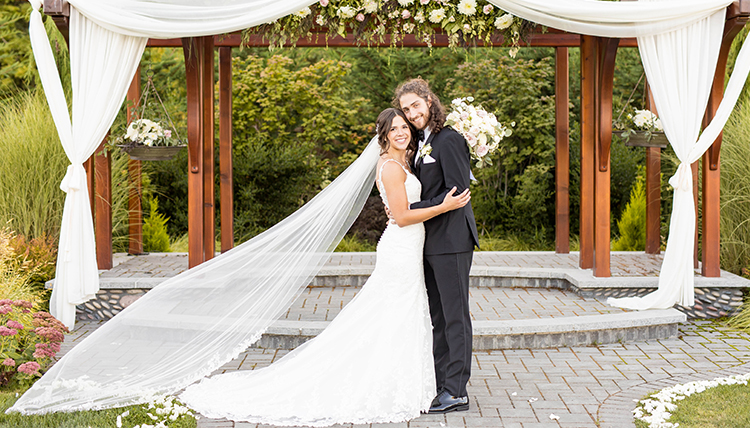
(148, 133)
(481, 130)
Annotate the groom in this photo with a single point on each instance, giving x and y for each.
(442, 162)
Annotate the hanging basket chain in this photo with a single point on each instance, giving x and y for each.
(143, 100)
(630, 97)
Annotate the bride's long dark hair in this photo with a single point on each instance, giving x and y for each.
(383, 126)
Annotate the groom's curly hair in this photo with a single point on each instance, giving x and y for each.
(421, 88)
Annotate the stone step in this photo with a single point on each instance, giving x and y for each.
(522, 334)
(488, 334)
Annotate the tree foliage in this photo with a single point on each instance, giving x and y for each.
(632, 224)
(515, 194)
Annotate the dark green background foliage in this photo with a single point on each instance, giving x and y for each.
(302, 115)
(514, 195)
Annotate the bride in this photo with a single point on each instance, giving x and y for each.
(373, 364)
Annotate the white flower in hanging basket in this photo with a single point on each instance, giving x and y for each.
(644, 125)
(148, 133)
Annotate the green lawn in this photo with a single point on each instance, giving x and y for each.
(725, 406)
(91, 419)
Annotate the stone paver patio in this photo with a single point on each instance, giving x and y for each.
(585, 386)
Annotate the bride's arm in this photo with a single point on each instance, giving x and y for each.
(393, 178)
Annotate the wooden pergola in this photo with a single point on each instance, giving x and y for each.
(598, 56)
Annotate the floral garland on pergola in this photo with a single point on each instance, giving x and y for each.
(465, 22)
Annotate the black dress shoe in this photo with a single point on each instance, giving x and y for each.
(445, 403)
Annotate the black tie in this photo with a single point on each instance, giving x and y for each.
(420, 135)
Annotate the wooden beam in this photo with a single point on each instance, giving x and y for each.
(653, 189)
(589, 61)
(552, 38)
(193, 51)
(135, 221)
(59, 11)
(209, 231)
(562, 151)
(225, 148)
(103, 206)
(602, 232)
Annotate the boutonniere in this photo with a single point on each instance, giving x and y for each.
(425, 150)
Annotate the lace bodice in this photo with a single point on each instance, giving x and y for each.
(412, 184)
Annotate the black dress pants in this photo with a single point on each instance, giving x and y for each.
(447, 281)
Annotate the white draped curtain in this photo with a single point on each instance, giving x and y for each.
(212, 309)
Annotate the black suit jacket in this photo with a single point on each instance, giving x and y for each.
(454, 231)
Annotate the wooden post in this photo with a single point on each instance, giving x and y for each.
(695, 171)
(209, 230)
(711, 178)
(225, 148)
(653, 190)
(588, 147)
(88, 165)
(135, 221)
(193, 50)
(562, 152)
(602, 233)
(103, 207)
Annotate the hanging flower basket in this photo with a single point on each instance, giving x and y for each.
(646, 139)
(148, 140)
(151, 153)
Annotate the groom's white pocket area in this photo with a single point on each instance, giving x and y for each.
(428, 159)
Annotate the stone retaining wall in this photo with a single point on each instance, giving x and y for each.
(709, 302)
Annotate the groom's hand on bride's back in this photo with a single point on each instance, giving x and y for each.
(391, 220)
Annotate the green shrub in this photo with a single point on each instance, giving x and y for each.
(632, 224)
(155, 237)
(36, 259)
(352, 243)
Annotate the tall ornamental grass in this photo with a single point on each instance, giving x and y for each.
(32, 163)
(735, 191)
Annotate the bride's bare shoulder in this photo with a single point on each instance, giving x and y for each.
(390, 168)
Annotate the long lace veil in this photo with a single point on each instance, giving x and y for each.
(193, 323)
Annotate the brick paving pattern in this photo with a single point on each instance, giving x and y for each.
(591, 386)
(324, 303)
(586, 386)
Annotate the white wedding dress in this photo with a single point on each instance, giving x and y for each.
(372, 364)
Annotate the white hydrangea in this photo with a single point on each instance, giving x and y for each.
(405, 3)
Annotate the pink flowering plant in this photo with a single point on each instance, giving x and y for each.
(28, 340)
(464, 21)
